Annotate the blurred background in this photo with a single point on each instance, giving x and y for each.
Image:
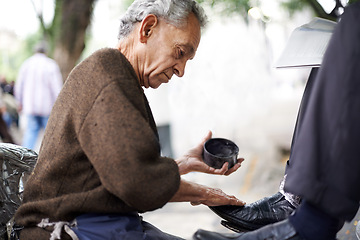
(231, 87)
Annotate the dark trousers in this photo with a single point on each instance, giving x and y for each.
(117, 227)
(324, 165)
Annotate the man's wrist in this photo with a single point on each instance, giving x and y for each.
(182, 164)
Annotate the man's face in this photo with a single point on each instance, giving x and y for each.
(167, 50)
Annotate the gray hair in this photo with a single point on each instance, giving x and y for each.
(174, 12)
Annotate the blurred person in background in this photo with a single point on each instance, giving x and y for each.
(7, 87)
(3, 82)
(36, 89)
(10, 109)
(4, 130)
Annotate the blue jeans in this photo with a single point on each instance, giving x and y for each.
(117, 227)
(34, 125)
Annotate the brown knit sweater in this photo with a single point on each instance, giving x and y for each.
(100, 152)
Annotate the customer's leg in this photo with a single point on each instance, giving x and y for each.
(326, 167)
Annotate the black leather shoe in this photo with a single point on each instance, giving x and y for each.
(278, 231)
(255, 215)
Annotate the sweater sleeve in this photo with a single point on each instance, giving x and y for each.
(124, 150)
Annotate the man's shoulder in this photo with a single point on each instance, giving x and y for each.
(109, 61)
(103, 67)
(107, 53)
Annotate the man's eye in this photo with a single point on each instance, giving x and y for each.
(181, 53)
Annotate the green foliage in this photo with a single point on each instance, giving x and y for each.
(9, 68)
(14, 59)
(230, 6)
(241, 7)
(353, 1)
(127, 3)
(294, 5)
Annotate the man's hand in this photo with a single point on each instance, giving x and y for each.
(217, 197)
(199, 194)
(193, 161)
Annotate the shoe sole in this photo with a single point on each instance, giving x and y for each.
(236, 223)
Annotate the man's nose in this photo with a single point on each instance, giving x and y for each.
(179, 68)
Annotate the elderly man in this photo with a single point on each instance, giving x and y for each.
(99, 163)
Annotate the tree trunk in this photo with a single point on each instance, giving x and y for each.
(71, 22)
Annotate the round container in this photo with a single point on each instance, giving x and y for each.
(218, 151)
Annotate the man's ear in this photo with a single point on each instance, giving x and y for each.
(147, 27)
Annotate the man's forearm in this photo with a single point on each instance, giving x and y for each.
(189, 192)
